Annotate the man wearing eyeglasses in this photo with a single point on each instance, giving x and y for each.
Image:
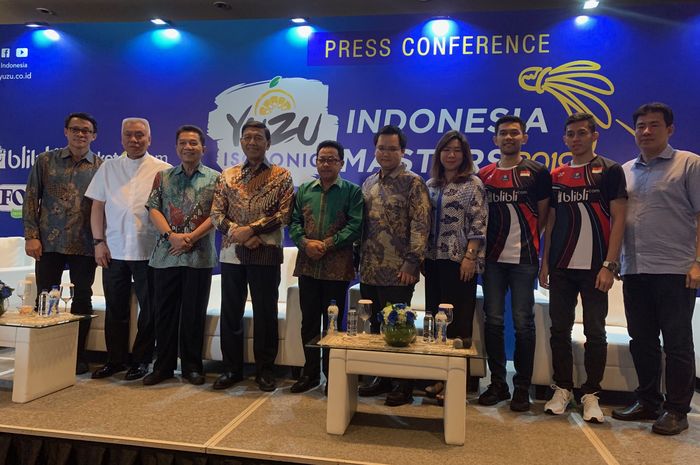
(124, 239)
(394, 239)
(56, 217)
(252, 203)
(326, 220)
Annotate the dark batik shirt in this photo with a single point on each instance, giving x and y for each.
(55, 209)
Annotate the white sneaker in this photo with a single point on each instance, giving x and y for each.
(591, 410)
(559, 401)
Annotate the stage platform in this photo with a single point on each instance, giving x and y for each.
(243, 425)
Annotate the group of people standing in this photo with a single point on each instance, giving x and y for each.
(144, 220)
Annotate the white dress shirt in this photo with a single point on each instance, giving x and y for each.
(124, 185)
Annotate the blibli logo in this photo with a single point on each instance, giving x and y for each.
(572, 196)
(502, 197)
(294, 109)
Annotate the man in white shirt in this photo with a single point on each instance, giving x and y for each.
(124, 239)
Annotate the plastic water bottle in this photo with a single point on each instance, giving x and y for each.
(441, 327)
(352, 322)
(332, 317)
(54, 299)
(428, 327)
(43, 302)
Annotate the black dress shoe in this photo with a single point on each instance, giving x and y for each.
(266, 382)
(156, 377)
(635, 412)
(376, 387)
(304, 384)
(670, 423)
(227, 379)
(81, 368)
(403, 394)
(107, 370)
(194, 377)
(136, 372)
(520, 401)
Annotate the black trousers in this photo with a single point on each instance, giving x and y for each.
(443, 286)
(181, 295)
(82, 274)
(263, 281)
(380, 295)
(661, 303)
(314, 298)
(116, 280)
(564, 288)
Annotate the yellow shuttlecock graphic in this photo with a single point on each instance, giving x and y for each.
(577, 86)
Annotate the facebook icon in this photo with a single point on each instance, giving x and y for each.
(5, 53)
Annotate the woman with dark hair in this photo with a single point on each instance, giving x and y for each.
(457, 239)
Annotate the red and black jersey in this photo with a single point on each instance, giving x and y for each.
(512, 193)
(581, 197)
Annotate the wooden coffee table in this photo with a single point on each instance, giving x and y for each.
(368, 354)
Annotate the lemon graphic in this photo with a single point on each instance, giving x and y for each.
(274, 99)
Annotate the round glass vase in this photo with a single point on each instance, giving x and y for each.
(399, 335)
(4, 305)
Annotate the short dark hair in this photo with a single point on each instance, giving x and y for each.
(654, 107)
(251, 123)
(576, 117)
(510, 119)
(437, 171)
(83, 116)
(190, 128)
(332, 143)
(390, 130)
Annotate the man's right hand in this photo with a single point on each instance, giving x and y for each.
(32, 247)
(544, 276)
(102, 255)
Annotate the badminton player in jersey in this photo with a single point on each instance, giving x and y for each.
(581, 252)
(517, 191)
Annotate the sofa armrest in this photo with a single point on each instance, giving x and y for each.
(293, 347)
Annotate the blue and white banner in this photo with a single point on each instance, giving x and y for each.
(345, 80)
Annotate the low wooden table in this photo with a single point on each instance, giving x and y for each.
(368, 354)
(45, 352)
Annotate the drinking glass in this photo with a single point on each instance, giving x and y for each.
(67, 290)
(449, 313)
(364, 311)
(21, 290)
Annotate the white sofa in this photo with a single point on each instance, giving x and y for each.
(477, 367)
(291, 351)
(620, 374)
(14, 264)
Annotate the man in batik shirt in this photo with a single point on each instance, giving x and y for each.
(326, 220)
(182, 262)
(394, 239)
(56, 217)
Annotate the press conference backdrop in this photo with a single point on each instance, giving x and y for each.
(349, 77)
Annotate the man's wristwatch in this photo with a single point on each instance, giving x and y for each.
(96, 242)
(614, 267)
(166, 235)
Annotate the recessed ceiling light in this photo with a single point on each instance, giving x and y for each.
(223, 5)
(160, 22)
(46, 11)
(36, 24)
(590, 4)
(298, 20)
